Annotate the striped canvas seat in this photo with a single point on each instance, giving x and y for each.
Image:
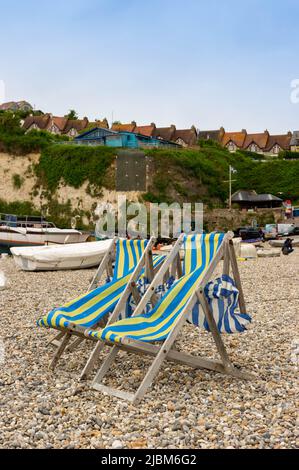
(156, 324)
(87, 310)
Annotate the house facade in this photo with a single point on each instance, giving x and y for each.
(214, 135)
(61, 125)
(181, 137)
(122, 139)
(295, 142)
(262, 143)
(234, 141)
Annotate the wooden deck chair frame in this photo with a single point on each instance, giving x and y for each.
(166, 351)
(146, 261)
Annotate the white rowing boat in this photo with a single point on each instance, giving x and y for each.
(60, 257)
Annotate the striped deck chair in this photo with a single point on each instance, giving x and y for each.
(155, 332)
(91, 310)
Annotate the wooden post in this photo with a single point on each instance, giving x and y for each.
(226, 259)
(237, 277)
(213, 328)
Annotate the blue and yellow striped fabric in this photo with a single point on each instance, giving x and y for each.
(200, 250)
(158, 323)
(88, 309)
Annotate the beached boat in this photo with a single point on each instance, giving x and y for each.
(34, 231)
(280, 243)
(60, 257)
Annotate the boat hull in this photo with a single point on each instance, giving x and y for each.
(59, 258)
(22, 237)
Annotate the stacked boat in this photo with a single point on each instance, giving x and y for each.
(38, 245)
(34, 231)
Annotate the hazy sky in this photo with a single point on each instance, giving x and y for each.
(183, 62)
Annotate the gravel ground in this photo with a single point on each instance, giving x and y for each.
(185, 408)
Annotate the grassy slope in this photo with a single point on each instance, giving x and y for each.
(176, 175)
(202, 174)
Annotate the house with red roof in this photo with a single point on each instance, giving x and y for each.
(277, 143)
(262, 143)
(234, 141)
(61, 125)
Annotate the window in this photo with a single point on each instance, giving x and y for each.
(231, 146)
(276, 149)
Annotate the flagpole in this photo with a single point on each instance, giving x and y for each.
(230, 181)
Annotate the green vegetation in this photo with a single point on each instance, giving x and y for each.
(74, 165)
(13, 139)
(18, 207)
(60, 214)
(175, 175)
(278, 177)
(18, 181)
(201, 175)
(287, 155)
(72, 114)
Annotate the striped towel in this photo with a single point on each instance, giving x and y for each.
(223, 296)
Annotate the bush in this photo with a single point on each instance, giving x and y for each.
(18, 208)
(252, 155)
(13, 139)
(287, 155)
(17, 181)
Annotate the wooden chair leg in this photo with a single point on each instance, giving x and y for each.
(91, 361)
(214, 330)
(60, 350)
(105, 366)
(237, 277)
(226, 259)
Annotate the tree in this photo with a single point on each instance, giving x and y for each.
(72, 114)
(10, 122)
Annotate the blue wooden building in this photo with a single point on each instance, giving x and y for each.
(132, 140)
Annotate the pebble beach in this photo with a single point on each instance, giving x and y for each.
(185, 408)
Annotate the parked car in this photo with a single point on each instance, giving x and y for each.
(250, 233)
(295, 231)
(271, 231)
